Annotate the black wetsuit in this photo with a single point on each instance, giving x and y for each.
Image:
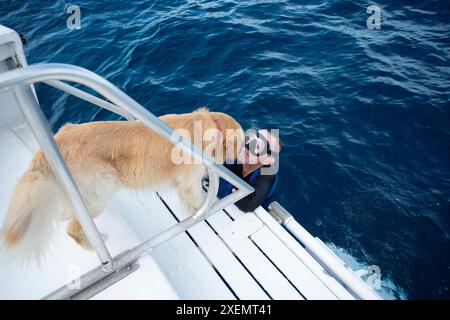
(264, 186)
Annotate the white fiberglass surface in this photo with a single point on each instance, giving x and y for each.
(64, 260)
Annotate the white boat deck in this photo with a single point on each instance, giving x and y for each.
(65, 261)
(231, 255)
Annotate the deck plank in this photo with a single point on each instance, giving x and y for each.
(338, 290)
(275, 284)
(292, 267)
(234, 273)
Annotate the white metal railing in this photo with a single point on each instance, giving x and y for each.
(323, 254)
(112, 269)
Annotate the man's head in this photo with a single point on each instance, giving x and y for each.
(261, 147)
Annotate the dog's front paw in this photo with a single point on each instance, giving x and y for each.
(195, 203)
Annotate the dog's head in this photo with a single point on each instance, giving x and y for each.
(223, 136)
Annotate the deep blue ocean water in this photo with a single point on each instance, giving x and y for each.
(363, 114)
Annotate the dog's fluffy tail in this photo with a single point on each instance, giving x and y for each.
(29, 222)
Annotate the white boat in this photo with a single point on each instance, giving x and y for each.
(153, 249)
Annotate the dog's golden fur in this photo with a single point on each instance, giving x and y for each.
(104, 156)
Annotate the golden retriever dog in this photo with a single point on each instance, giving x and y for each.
(105, 156)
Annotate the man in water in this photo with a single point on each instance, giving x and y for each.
(257, 164)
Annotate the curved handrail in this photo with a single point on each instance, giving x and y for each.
(51, 73)
(88, 97)
(59, 71)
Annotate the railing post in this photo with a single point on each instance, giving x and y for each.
(43, 133)
(323, 254)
